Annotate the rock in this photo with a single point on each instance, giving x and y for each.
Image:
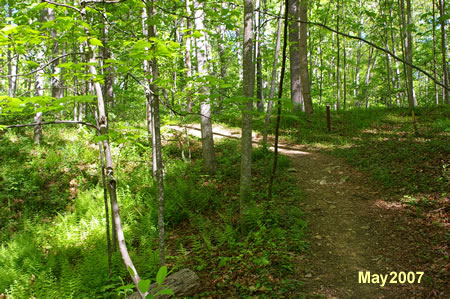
(183, 283)
(292, 170)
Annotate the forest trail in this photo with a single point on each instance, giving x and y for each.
(353, 227)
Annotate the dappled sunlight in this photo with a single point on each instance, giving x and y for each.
(390, 205)
(290, 151)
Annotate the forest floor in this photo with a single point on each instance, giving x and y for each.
(354, 228)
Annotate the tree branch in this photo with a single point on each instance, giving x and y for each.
(102, 1)
(41, 67)
(73, 122)
(63, 5)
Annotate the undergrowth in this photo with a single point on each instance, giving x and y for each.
(52, 218)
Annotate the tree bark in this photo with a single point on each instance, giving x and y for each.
(258, 42)
(12, 66)
(445, 91)
(187, 56)
(388, 58)
(303, 52)
(248, 83)
(209, 158)
(338, 76)
(294, 55)
(412, 102)
(274, 74)
(39, 91)
(433, 29)
(156, 139)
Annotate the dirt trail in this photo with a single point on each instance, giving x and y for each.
(354, 227)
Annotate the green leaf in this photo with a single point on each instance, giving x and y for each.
(161, 275)
(131, 271)
(65, 65)
(165, 292)
(144, 285)
(95, 42)
(9, 29)
(82, 39)
(100, 138)
(197, 34)
(126, 287)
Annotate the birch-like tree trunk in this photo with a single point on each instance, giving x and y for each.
(209, 157)
(39, 91)
(396, 76)
(274, 74)
(12, 66)
(248, 89)
(156, 145)
(187, 56)
(388, 58)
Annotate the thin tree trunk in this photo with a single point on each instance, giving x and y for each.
(103, 123)
(39, 91)
(187, 56)
(258, 42)
(248, 89)
(274, 74)
(294, 55)
(345, 55)
(222, 62)
(412, 102)
(396, 78)
(388, 58)
(156, 144)
(209, 158)
(280, 93)
(445, 91)
(338, 77)
(436, 93)
(12, 66)
(303, 52)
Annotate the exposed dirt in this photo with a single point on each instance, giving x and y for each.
(354, 226)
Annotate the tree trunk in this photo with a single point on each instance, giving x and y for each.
(274, 74)
(388, 58)
(412, 102)
(445, 91)
(248, 78)
(303, 52)
(222, 61)
(156, 141)
(209, 158)
(396, 78)
(259, 78)
(338, 76)
(433, 29)
(12, 66)
(187, 57)
(345, 55)
(111, 181)
(294, 55)
(39, 91)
